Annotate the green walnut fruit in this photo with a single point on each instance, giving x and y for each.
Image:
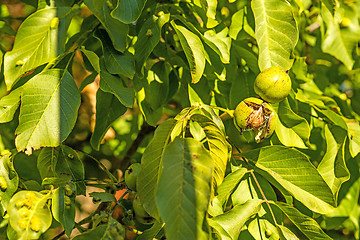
(140, 213)
(255, 114)
(131, 175)
(272, 84)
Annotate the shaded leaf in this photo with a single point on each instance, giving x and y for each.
(276, 32)
(63, 211)
(148, 38)
(128, 11)
(151, 233)
(108, 109)
(148, 177)
(93, 59)
(112, 84)
(48, 111)
(115, 62)
(116, 29)
(62, 161)
(185, 181)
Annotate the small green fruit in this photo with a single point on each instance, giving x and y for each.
(255, 114)
(131, 175)
(140, 213)
(272, 84)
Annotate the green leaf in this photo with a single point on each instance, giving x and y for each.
(38, 218)
(348, 202)
(48, 111)
(294, 172)
(285, 233)
(108, 109)
(185, 181)
(9, 182)
(229, 184)
(116, 29)
(103, 197)
(95, 233)
(194, 51)
(335, 43)
(308, 226)
(8, 105)
(354, 137)
(332, 167)
(154, 84)
(151, 233)
(218, 147)
(63, 212)
(276, 33)
(221, 41)
(128, 11)
(112, 230)
(232, 221)
(116, 62)
(62, 161)
(148, 177)
(291, 129)
(36, 43)
(259, 229)
(148, 38)
(112, 84)
(93, 59)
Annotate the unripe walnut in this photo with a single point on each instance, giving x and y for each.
(255, 114)
(272, 84)
(131, 175)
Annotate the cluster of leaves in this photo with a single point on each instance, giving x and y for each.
(185, 65)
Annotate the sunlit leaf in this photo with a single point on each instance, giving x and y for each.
(9, 181)
(185, 181)
(229, 183)
(32, 221)
(232, 221)
(291, 129)
(333, 167)
(9, 105)
(218, 146)
(276, 32)
(37, 43)
(294, 172)
(308, 226)
(194, 51)
(48, 111)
